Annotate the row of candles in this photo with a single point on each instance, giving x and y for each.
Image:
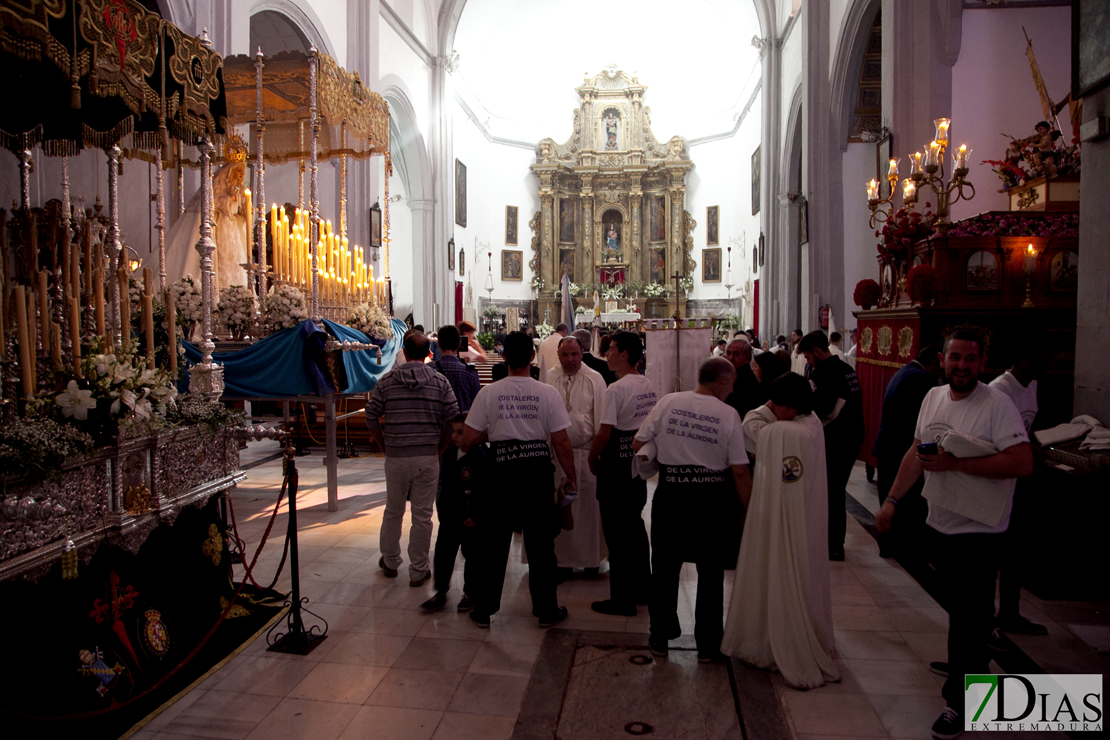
(922, 162)
(39, 336)
(345, 277)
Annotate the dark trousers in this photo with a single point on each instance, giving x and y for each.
(536, 518)
(967, 565)
(621, 501)
(839, 460)
(1015, 553)
(666, 567)
(453, 536)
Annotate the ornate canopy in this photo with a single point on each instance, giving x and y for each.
(594, 223)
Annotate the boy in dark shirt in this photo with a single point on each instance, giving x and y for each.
(461, 483)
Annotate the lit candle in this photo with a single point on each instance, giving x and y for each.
(962, 155)
(1030, 259)
(24, 336)
(893, 171)
(915, 163)
(75, 334)
(909, 190)
(934, 154)
(171, 330)
(942, 125)
(873, 190)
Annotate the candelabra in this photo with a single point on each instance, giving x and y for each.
(1030, 268)
(926, 170)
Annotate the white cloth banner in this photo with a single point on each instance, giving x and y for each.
(674, 356)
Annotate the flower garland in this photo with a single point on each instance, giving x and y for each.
(236, 310)
(867, 294)
(283, 308)
(1015, 224)
(372, 321)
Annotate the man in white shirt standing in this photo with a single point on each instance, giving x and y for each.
(519, 415)
(703, 470)
(1020, 384)
(977, 495)
(582, 391)
(628, 402)
(548, 353)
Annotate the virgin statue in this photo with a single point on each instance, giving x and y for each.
(229, 232)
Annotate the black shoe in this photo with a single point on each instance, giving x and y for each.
(554, 619)
(481, 620)
(389, 572)
(837, 554)
(614, 607)
(434, 604)
(715, 656)
(1019, 625)
(939, 667)
(466, 603)
(658, 647)
(949, 725)
(998, 642)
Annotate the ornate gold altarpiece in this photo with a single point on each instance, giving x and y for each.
(612, 198)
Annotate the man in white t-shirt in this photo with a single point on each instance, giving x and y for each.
(548, 353)
(1020, 384)
(518, 415)
(978, 493)
(627, 403)
(696, 512)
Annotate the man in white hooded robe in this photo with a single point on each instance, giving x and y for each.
(780, 616)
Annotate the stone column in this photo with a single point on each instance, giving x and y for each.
(636, 256)
(585, 271)
(547, 259)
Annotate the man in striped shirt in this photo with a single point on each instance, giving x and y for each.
(408, 414)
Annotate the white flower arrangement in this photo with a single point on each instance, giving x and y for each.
(582, 310)
(574, 288)
(37, 448)
(283, 308)
(538, 284)
(543, 331)
(237, 310)
(686, 283)
(613, 292)
(372, 321)
(492, 312)
(653, 290)
(187, 299)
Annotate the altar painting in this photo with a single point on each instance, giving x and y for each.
(657, 265)
(566, 264)
(567, 220)
(657, 222)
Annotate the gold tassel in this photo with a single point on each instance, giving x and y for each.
(69, 561)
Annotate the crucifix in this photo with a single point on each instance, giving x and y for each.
(676, 277)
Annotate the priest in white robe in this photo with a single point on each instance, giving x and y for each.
(780, 616)
(582, 390)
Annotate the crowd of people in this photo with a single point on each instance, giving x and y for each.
(752, 470)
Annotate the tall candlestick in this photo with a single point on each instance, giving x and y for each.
(24, 336)
(44, 313)
(75, 334)
(98, 301)
(148, 328)
(148, 281)
(75, 271)
(56, 345)
(124, 308)
(171, 330)
(32, 341)
(86, 243)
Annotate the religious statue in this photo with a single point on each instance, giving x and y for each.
(1044, 148)
(612, 242)
(611, 122)
(229, 232)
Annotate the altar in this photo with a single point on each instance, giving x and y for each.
(612, 203)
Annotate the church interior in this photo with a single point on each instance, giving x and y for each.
(219, 220)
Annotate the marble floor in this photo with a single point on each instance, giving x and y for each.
(387, 670)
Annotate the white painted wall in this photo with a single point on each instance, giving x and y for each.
(858, 164)
(993, 91)
(402, 256)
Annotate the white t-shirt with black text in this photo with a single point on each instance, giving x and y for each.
(628, 402)
(695, 429)
(1023, 396)
(990, 415)
(516, 408)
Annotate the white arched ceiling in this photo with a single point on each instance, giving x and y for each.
(520, 60)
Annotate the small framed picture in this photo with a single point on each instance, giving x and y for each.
(510, 225)
(451, 255)
(462, 262)
(761, 249)
(711, 265)
(712, 214)
(375, 225)
(460, 193)
(756, 179)
(512, 264)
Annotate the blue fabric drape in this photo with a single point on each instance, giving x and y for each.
(289, 363)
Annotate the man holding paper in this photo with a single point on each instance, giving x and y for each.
(969, 484)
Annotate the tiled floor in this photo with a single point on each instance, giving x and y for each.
(387, 670)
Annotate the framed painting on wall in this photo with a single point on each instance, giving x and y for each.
(451, 255)
(510, 225)
(657, 265)
(657, 218)
(567, 220)
(462, 262)
(375, 226)
(755, 180)
(512, 264)
(460, 193)
(712, 214)
(711, 265)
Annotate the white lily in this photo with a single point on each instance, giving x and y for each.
(75, 402)
(104, 363)
(122, 372)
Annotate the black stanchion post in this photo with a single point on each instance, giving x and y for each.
(296, 639)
